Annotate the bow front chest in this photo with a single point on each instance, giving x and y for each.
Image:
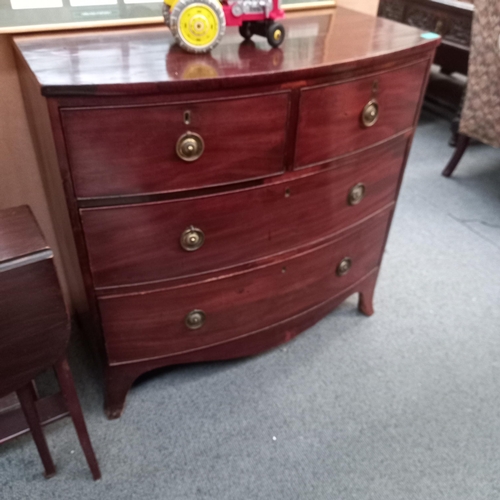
(222, 204)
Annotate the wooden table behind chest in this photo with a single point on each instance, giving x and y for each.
(222, 204)
(452, 19)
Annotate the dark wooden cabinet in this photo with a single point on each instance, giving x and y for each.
(452, 19)
(282, 215)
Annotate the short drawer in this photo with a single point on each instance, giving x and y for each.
(331, 116)
(135, 149)
(141, 243)
(170, 321)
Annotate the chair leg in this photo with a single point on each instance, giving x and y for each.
(462, 143)
(27, 396)
(68, 390)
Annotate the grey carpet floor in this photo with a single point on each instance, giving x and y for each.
(403, 405)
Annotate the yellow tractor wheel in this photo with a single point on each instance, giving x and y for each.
(197, 25)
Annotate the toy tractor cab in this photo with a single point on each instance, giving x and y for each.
(199, 25)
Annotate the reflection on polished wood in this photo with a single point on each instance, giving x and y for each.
(114, 62)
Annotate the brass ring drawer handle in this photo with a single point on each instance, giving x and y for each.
(344, 266)
(190, 146)
(356, 194)
(192, 239)
(195, 319)
(370, 114)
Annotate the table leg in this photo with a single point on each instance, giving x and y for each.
(68, 390)
(26, 395)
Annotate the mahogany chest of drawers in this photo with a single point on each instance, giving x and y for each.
(222, 204)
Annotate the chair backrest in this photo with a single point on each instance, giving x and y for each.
(479, 117)
(34, 324)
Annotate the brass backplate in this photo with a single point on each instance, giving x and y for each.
(356, 194)
(192, 239)
(370, 113)
(195, 319)
(344, 266)
(190, 146)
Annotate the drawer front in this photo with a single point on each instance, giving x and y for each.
(169, 321)
(330, 119)
(133, 150)
(140, 243)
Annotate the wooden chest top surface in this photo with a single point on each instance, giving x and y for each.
(147, 61)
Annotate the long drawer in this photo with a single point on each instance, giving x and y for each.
(331, 116)
(141, 243)
(127, 150)
(169, 321)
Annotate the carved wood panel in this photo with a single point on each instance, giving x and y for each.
(392, 9)
(425, 19)
(454, 24)
(460, 30)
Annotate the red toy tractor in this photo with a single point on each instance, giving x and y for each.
(199, 25)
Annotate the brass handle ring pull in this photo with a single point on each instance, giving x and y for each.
(344, 266)
(192, 239)
(356, 194)
(370, 114)
(190, 146)
(195, 319)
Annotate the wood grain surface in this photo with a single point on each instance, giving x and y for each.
(148, 325)
(120, 376)
(330, 115)
(34, 325)
(132, 150)
(140, 242)
(145, 60)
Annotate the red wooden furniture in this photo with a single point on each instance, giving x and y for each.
(221, 204)
(34, 329)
